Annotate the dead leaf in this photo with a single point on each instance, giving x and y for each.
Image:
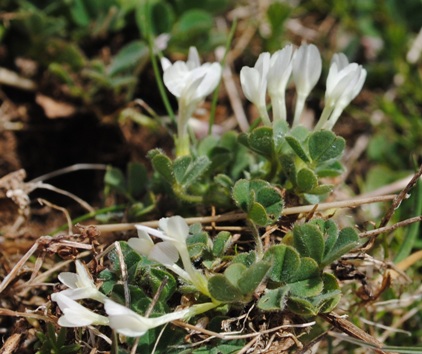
(55, 109)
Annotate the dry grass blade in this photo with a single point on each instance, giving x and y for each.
(400, 197)
(349, 328)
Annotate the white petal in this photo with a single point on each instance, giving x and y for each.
(75, 314)
(175, 78)
(165, 63)
(80, 293)
(307, 66)
(69, 279)
(249, 79)
(359, 84)
(142, 246)
(341, 60)
(85, 279)
(193, 58)
(210, 80)
(280, 70)
(127, 325)
(164, 253)
(177, 228)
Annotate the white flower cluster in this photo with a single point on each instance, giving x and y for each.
(174, 232)
(190, 82)
(271, 74)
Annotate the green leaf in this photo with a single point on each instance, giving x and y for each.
(321, 189)
(261, 141)
(155, 277)
(288, 167)
(329, 169)
(346, 241)
(301, 306)
(280, 129)
(115, 180)
(285, 262)
(128, 57)
(330, 233)
(251, 277)
(242, 195)
(297, 147)
(195, 170)
(162, 17)
(180, 167)
(274, 299)
(259, 199)
(331, 295)
(308, 240)
(306, 281)
(306, 180)
(271, 199)
(223, 290)
(234, 272)
(163, 165)
(324, 145)
(220, 243)
(137, 179)
(258, 215)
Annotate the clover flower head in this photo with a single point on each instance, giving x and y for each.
(190, 82)
(81, 285)
(76, 315)
(344, 82)
(175, 231)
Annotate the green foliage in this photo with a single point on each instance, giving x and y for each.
(238, 282)
(262, 202)
(52, 343)
(298, 281)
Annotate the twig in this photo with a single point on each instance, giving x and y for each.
(351, 203)
(400, 197)
(63, 210)
(7, 312)
(233, 94)
(83, 203)
(72, 168)
(15, 270)
(228, 336)
(248, 345)
(123, 270)
(381, 230)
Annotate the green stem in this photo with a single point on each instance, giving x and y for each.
(259, 246)
(157, 72)
(87, 216)
(223, 62)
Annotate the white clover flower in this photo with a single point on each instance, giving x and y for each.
(176, 230)
(130, 324)
(278, 77)
(190, 82)
(81, 285)
(344, 82)
(254, 84)
(75, 315)
(307, 66)
(164, 252)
